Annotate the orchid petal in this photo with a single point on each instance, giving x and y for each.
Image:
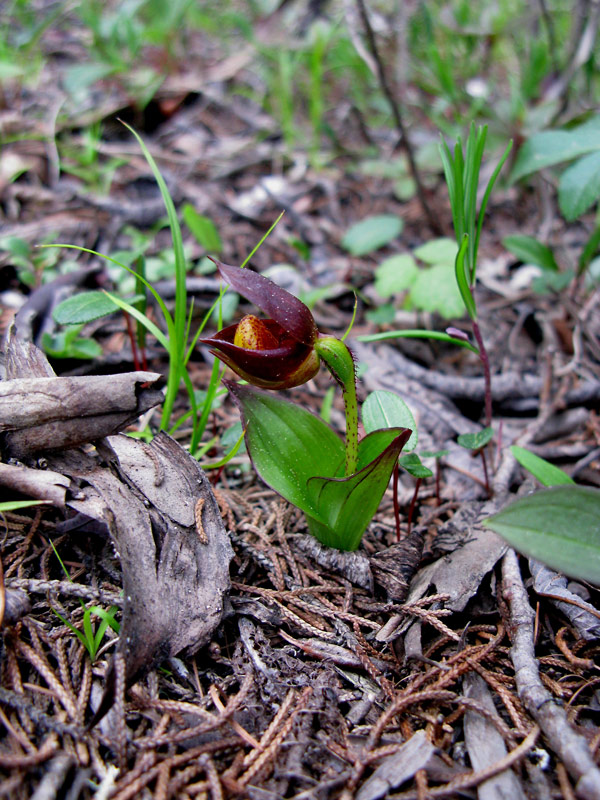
(293, 316)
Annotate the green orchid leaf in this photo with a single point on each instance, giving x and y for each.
(559, 526)
(287, 444)
(414, 466)
(475, 441)
(544, 471)
(345, 506)
(384, 409)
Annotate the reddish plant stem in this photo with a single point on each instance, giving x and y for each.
(485, 361)
(485, 472)
(395, 476)
(413, 502)
(131, 334)
(438, 475)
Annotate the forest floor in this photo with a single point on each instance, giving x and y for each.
(437, 665)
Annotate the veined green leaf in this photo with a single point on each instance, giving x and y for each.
(548, 148)
(384, 409)
(579, 186)
(414, 466)
(559, 526)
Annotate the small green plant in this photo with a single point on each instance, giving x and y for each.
(477, 442)
(91, 639)
(371, 233)
(69, 344)
(175, 341)
(82, 159)
(462, 177)
(34, 266)
(427, 288)
(296, 453)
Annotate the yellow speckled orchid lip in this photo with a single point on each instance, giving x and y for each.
(289, 364)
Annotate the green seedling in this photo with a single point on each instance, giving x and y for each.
(91, 639)
(83, 160)
(68, 344)
(34, 266)
(477, 442)
(338, 486)
(429, 288)
(462, 177)
(203, 229)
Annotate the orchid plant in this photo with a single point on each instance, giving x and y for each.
(338, 486)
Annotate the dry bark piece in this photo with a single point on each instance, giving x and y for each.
(486, 746)
(174, 580)
(38, 414)
(582, 615)
(394, 567)
(37, 483)
(354, 566)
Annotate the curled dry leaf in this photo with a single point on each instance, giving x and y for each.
(39, 414)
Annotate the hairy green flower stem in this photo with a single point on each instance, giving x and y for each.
(340, 363)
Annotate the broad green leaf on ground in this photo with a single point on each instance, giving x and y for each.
(371, 233)
(542, 470)
(437, 251)
(475, 441)
(435, 289)
(579, 186)
(530, 251)
(548, 148)
(384, 409)
(395, 274)
(559, 526)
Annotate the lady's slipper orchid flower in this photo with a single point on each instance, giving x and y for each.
(274, 353)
